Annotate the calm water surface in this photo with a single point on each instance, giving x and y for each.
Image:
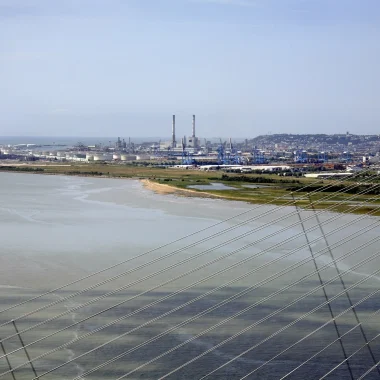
(212, 186)
(56, 229)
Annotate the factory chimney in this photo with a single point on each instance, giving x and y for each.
(193, 127)
(173, 133)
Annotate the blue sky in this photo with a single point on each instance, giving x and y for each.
(244, 67)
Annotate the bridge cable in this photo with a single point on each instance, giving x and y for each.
(183, 238)
(185, 274)
(344, 286)
(36, 358)
(159, 272)
(251, 326)
(324, 291)
(271, 278)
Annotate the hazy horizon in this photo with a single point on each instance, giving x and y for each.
(244, 67)
(90, 140)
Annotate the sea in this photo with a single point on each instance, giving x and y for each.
(62, 142)
(105, 278)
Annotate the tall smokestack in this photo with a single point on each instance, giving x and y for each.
(173, 133)
(193, 126)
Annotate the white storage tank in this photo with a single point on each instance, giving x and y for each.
(116, 157)
(89, 157)
(143, 157)
(98, 157)
(107, 157)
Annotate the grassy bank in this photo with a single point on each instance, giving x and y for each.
(276, 190)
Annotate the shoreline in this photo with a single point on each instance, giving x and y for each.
(164, 189)
(159, 180)
(158, 188)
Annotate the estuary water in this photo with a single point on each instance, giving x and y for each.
(55, 230)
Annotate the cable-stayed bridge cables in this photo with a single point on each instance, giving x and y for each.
(344, 287)
(324, 188)
(94, 300)
(335, 216)
(253, 325)
(354, 353)
(324, 291)
(271, 278)
(168, 281)
(362, 216)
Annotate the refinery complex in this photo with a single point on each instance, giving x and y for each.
(279, 152)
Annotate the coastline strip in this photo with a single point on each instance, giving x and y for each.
(163, 188)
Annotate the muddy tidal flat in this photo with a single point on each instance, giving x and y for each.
(186, 265)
